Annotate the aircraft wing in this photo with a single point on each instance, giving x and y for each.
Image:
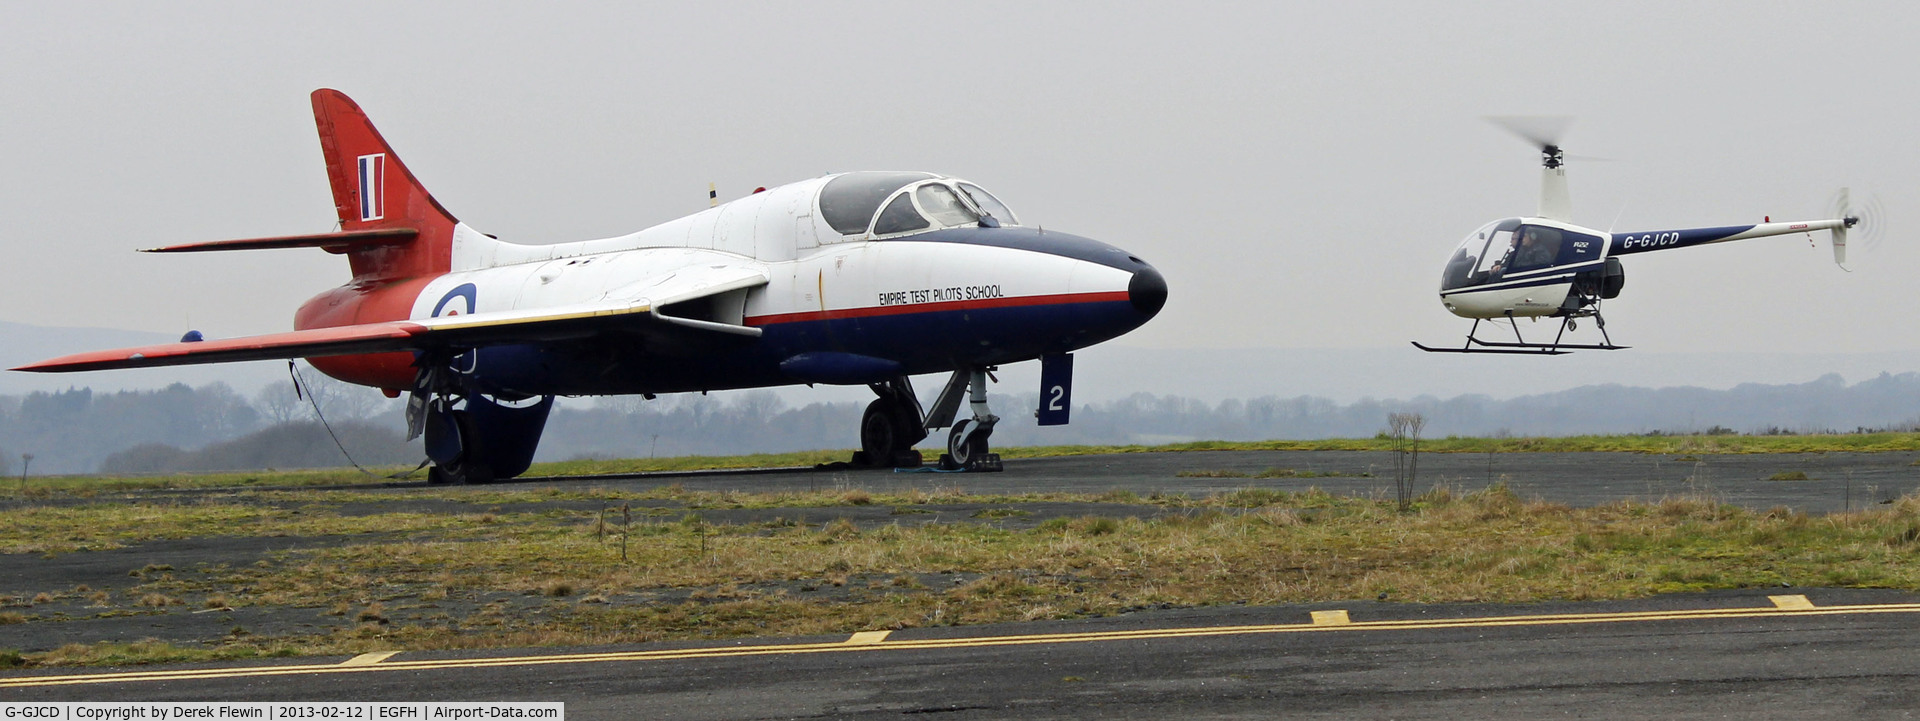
(636, 304)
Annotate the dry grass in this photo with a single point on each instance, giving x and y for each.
(88, 486)
(64, 529)
(373, 613)
(693, 578)
(1486, 546)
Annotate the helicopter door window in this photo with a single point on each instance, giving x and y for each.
(1534, 247)
(899, 217)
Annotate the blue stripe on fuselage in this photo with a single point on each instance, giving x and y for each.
(1641, 242)
(1039, 241)
(1503, 285)
(921, 342)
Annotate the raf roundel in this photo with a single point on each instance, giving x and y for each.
(464, 291)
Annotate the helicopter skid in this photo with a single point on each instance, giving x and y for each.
(1520, 345)
(1555, 346)
(1542, 350)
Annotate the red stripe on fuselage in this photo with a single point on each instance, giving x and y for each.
(879, 310)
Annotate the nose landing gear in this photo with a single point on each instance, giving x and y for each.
(967, 443)
(967, 446)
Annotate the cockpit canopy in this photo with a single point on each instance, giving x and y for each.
(884, 204)
(1514, 246)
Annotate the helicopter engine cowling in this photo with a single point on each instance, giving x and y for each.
(1603, 283)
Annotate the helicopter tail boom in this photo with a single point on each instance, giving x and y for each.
(1645, 241)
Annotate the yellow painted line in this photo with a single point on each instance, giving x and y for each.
(368, 659)
(964, 642)
(1797, 603)
(1331, 618)
(865, 638)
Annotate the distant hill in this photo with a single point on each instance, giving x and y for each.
(304, 444)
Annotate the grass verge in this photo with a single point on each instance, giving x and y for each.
(563, 576)
(83, 486)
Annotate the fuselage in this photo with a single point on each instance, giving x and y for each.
(1520, 267)
(930, 288)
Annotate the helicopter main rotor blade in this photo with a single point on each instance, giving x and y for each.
(1540, 131)
(1543, 132)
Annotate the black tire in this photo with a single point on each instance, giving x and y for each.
(964, 450)
(879, 434)
(463, 474)
(466, 470)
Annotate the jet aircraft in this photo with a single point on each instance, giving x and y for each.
(860, 278)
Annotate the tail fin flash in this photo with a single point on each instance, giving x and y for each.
(373, 190)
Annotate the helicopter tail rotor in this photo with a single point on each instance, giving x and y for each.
(1865, 217)
(1840, 233)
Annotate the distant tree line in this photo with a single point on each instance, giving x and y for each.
(760, 422)
(79, 431)
(213, 427)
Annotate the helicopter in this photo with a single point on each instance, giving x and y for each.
(1546, 266)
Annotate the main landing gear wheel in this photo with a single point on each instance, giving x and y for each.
(461, 474)
(885, 438)
(454, 429)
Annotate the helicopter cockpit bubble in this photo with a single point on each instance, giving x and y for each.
(1506, 247)
(1473, 262)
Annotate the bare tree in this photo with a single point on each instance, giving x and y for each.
(338, 400)
(280, 404)
(760, 405)
(1405, 431)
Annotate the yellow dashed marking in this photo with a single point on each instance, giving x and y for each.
(368, 659)
(858, 643)
(1331, 618)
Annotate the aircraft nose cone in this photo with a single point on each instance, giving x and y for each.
(1147, 291)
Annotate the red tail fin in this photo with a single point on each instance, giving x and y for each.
(373, 190)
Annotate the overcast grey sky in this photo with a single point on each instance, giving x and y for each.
(1298, 170)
